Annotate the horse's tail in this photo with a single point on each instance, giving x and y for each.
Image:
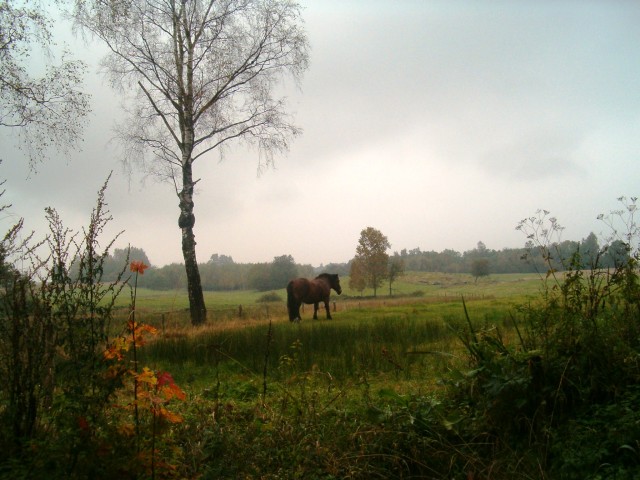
(291, 302)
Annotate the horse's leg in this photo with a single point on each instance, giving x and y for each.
(326, 307)
(298, 318)
(315, 311)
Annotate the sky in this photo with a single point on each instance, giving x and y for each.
(439, 123)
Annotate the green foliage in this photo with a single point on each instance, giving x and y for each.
(568, 374)
(274, 275)
(53, 325)
(222, 274)
(396, 269)
(357, 277)
(479, 268)
(370, 265)
(114, 263)
(64, 369)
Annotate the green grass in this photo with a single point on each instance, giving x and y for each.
(424, 286)
(380, 391)
(401, 340)
(406, 343)
(447, 285)
(402, 345)
(171, 300)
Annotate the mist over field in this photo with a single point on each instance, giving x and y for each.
(473, 118)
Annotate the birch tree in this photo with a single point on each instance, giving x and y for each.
(203, 74)
(45, 110)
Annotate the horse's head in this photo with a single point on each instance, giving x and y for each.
(335, 283)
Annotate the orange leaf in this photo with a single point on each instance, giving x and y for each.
(174, 391)
(138, 267)
(169, 416)
(147, 376)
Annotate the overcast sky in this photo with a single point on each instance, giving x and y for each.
(440, 123)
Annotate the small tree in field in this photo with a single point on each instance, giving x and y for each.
(372, 258)
(396, 269)
(479, 268)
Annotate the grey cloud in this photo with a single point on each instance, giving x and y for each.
(539, 155)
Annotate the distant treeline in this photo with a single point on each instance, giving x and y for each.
(221, 273)
(585, 254)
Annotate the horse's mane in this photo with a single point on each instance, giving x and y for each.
(324, 275)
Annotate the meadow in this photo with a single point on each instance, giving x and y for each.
(405, 338)
(419, 287)
(404, 344)
(314, 397)
(505, 377)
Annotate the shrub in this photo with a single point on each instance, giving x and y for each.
(55, 315)
(64, 364)
(563, 384)
(269, 298)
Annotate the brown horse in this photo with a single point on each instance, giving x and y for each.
(302, 290)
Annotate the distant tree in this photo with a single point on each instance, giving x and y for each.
(617, 254)
(132, 253)
(308, 271)
(119, 259)
(229, 276)
(479, 268)
(339, 268)
(371, 253)
(169, 277)
(396, 269)
(259, 277)
(450, 261)
(563, 253)
(590, 251)
(48, 110)
(283, 269)
(357, 276)
(216, 259)
(201, 74)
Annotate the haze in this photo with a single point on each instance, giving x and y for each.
(440, 123)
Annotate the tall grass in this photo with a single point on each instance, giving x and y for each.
(406, 338)
(404, 342)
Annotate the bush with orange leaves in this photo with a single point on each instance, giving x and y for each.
(151, 391)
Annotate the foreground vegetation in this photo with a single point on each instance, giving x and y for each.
(509, 377)
(501, 386)
(403, 387)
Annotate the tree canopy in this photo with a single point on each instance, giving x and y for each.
(47, 110)
(371, 260)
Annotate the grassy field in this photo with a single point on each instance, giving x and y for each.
(433, 382)
(404, 339)
(292, 389)
(424, 286)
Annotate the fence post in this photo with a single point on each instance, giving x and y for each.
(239, 311)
